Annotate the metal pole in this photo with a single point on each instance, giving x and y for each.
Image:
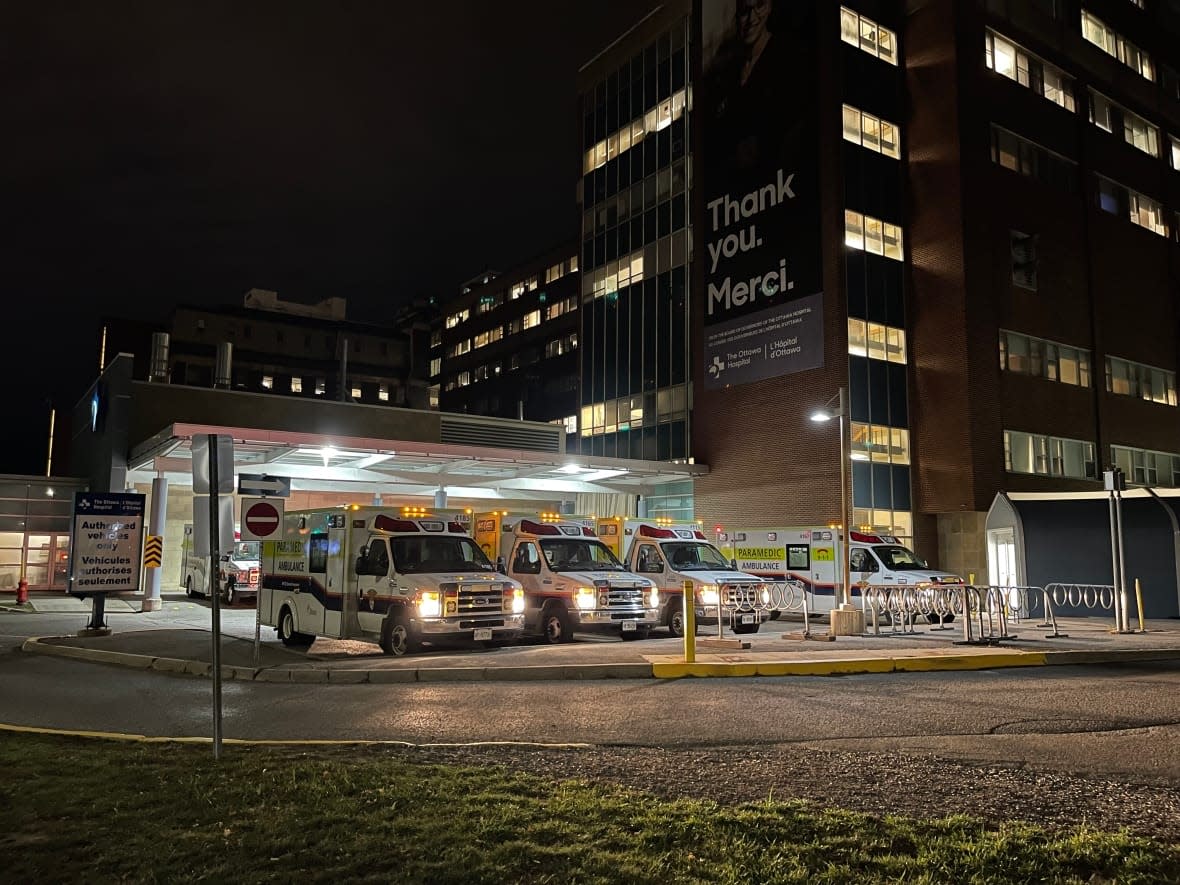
(845, 595)
(1124, 616)
(689, 612)
(49, 456)
(1114, 559)
(151, 596)
(215, 590)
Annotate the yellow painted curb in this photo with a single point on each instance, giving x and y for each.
(970, 662)
(850, 666)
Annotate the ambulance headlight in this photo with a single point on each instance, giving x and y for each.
(429, 604)
(585, 599)
(764, 594)
(708, 595)
(653, 598)
(517, 597)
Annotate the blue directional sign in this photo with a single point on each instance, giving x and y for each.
(259, 485)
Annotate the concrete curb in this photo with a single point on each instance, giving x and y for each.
(305, 675)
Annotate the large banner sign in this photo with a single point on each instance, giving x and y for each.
(107, 542)
(763, 307)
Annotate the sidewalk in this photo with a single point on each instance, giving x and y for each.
(177, 640)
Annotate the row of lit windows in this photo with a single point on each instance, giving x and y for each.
(1137, 132)
(1140, 209)
(1147, 468)
(876, 442)
(1116, 45)
(529, 320)
(556, 347)
(1027, 355)
(876, 341)
(1042, 455)
(628, 412)
(321, 386)
(654, 258)
(1126, 378)
(865, 34)
(659, 117)
(872, 235)
(1016, 63)
(559, 270)
(872, 132)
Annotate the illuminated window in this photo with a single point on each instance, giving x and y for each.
(1126, 378)
(876, 341)
(1030, 159)
(456, 318)
(355, 392)
(867, 35)
(876, 442)
(1140, 209)
(296, 385)
(871, 132)
(1144, 467)
(464, 379)
(1026, 355)
(1041, 455)
(530, 319)
(383, 392)
(320, 386)
(268, 382)
(631, 134)
(1114, 44)
(1016, 63)
(872, 235)
(435, 366)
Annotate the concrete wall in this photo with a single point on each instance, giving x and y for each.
(962, 544)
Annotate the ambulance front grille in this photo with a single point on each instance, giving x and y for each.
(629, 597)
(476, 598)
(742, 596)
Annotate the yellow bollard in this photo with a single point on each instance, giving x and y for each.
(971, 579)
(1139, 603)
(689, 610)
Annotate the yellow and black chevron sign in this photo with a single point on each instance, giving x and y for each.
(153, 551)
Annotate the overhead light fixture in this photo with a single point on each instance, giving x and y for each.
(571, 468)
(328, 453)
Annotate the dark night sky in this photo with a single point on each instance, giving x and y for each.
(162, 152)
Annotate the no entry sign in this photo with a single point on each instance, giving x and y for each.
(262, 519)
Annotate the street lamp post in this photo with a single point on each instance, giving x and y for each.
(837, 407)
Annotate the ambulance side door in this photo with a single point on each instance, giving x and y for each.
(370, 598)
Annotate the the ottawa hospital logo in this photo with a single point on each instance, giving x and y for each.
(717, 368)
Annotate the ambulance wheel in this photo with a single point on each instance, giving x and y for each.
(230, 595)
(288, 635)
(188, 587)
(396, 638)
(676, 619)
(555, 624)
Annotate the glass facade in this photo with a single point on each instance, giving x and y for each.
(36, 515)
(634, 333)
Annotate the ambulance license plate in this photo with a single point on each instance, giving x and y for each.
(747, 619)
(483, 633)
(628, 626)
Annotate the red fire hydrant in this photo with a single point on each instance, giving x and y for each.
(22, 592)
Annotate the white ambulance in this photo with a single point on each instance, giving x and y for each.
(372, 574)
(672, 553)
(237, 577)
(572, 581)
(811, 555)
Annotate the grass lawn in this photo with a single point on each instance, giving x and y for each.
(76, 809)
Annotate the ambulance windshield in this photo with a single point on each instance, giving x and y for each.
(579, 554)
(898, 558)
(246, 550)
(686, 556)
(419, 554)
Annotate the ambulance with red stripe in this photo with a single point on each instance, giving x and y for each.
(572, 581)
(812, 556)
(373, 574)
(672, 553)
